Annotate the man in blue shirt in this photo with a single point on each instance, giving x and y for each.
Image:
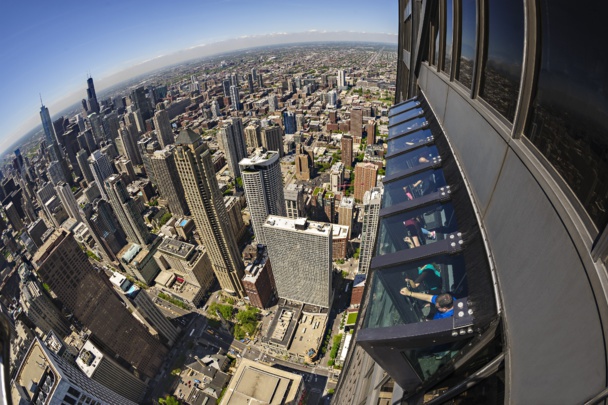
(444, 303)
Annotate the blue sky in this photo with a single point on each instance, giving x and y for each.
(49, 47)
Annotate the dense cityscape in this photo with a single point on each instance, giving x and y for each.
(199, 235)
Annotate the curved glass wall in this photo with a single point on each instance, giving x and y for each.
(412, 187)
(502, 62)
(400, 144)
(416, 157)
(387, 307)
(449, 31)
(464, 68)
(568, 119)
(406, 127)
(411, 229)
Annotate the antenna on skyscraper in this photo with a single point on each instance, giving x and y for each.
(41, 103)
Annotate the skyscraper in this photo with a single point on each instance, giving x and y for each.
(64, 191)
(168, 181)
(289, 121)
(347, 150)
(371, 211)
(235, 98)
(272, 139)
(250, 82)
(101, 168)
(253, 135)
(142, 103)
(226, 87)
(49, 133)
(83, 291)
(301, 256)
(263, 183)
(58, 381)
(356, 123)
(341, 78)
(207, 207)
(126, 211)
(294, 201)
(92, 103)
(366, 175)
(233, 141)
(163, 128)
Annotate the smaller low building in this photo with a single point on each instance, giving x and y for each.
(255, 383)
(138, 261)
(340, 241)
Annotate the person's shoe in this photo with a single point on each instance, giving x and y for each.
(433, 235)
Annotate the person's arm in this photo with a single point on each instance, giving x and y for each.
(419, 296)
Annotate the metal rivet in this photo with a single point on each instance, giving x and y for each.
(460, 314)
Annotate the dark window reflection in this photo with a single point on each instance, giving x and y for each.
(568, 121)
(504, 54)
(449, 28)
(435, 43)
(464, 70)
(406, 127)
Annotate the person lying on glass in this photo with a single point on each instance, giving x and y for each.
(444, 303)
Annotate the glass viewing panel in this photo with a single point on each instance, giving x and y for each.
(464, 69)
(400, 144)
(568, 120)
(435, 38)
(503, 59)
(407, 115)
(406, 127)
(404, 107)
(411, 229)
(428, 360)
(387, 307)
(449, 32)
(412, 187)
(411, 159)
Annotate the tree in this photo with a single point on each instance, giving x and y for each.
(356, 254)
(166, 217)
(169, 400)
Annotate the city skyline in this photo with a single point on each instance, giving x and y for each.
(111, 57)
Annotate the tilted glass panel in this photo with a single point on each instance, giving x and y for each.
(403, 107)
(464, 70)
(407, 115)
(412, 187)
(449, 32)
(434, 42)
(387, 307)
(411, 229)
(503, 59)
(428, 360)
(568, 119)
(411, 159)
(406, 127)
(403, 143)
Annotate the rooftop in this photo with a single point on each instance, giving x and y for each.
(340, 231)
(254, 383)
(176, 248)
(301, 225)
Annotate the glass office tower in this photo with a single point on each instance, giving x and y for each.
(502, 114)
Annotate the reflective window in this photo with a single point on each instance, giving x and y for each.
(400, 144)
(568, 121)
(403, 107)
(464, 70)
(388, 307)
(428, 360)
(434, 43)
(503, 57)
(411, 159)
(406, 127)
(449, 32)
(411, 229)
(404, 116)
(412, 187)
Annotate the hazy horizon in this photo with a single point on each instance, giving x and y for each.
(49, 58)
